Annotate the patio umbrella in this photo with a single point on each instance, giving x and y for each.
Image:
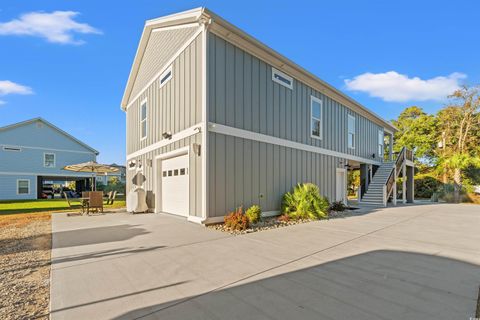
(92, 167)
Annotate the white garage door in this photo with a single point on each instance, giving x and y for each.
(175, 185)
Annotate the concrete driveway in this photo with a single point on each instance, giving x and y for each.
(414, 262)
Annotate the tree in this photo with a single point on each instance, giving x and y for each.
(458, 135)
(416, 131)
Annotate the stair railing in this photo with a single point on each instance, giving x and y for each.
(388, 187)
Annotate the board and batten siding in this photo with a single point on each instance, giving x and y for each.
(245, 172)
(241, 94)
(148, 172)
(173, 107)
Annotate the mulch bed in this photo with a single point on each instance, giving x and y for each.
(274, 223)
(25, 245)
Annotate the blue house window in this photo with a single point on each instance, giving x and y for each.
(49, 160)
(23, 186)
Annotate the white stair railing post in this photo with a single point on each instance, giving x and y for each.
(394, 191)
(384, 195)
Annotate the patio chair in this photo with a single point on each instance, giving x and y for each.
(111, 197)
(72, 206)
(96, 200)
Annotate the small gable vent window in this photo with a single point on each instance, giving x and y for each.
(165, 76)
(12, 149)
(282, 78)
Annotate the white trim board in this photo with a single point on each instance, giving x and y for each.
(165, 142)
(46, 174)
(45, 148)
(240, 133)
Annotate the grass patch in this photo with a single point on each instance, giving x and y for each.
(46, 205)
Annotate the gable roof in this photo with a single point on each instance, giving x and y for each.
(238, 37)
(26, 122)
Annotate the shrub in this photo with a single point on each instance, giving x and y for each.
(305, 202)
(253, 213)
(338, 206)
(284, 218)
(425, 186)
(236, 220)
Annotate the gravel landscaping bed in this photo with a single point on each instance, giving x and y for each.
(25, 245)
(274, 222)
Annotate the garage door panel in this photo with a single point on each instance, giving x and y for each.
(175, 185)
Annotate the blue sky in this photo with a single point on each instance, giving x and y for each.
(385, 54)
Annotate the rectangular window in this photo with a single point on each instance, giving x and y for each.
(351, 132)
(164, 173)
(143, 119)
(175, 172)
(165, 76)
(182, 171)
(316, 117)
(49, 160)
(23, 186)
(380, 144)
(282, 78)
(169, 173)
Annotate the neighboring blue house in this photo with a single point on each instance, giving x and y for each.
(33, 152)
(105, 178)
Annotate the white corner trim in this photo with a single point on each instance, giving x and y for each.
(45, 149)
(204, 124)
(235, 132)
(195, 219)
(165, 142)
(180, 26)
(162, 70)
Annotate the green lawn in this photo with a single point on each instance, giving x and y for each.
(47, 205)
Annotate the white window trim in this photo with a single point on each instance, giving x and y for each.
(315, 99)
(354, 131)
(280, 73)
(381, 144)
(144, 101)
(54, 159)
(161, 84)
(18, 193)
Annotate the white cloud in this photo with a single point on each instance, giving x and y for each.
(395, 87)
(9, 87)
(56, 27)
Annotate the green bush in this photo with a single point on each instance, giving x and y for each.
(236, 220)
(305, 202)
(425, 186)
(253, 213)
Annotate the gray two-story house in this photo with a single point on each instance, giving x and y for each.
(34, 152)
(216, 120)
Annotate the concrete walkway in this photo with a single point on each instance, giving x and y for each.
(415, 262)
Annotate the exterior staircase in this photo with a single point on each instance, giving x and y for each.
(375, 192)
(383, 183)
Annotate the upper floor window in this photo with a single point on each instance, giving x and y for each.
(282, 78)
(380, 143)
(165, 76)
(23, 186)
(143, 119)
(351, 132)
(49, 160)
(316, 117)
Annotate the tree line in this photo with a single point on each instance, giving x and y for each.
(447, 143)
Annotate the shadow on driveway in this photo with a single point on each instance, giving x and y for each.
(373, 285)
